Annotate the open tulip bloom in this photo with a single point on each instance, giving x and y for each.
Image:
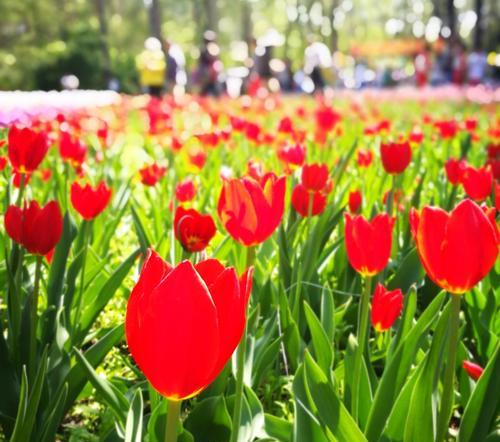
(183, 323)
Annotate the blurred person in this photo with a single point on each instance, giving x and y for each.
(439, 74)
(359, 74)
(176, 66)
(477, 64)
(459, 63)
(151, 65)
(286, 77)
(316, 57)
(422, 65)
(209, 65)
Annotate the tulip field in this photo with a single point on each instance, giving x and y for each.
(275, 268)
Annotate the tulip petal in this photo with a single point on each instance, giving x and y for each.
(469, 248)
(173, 333)
(430, 233)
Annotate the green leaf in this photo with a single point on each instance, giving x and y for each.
(306, 426)
(48, 433)
(480, 411)
(327, 315)
(30, 399)
(209, 417)
(21, 411)
(94, 307)
(322, 347)
(365, 390)
(110, 394)
(76, 376)
(331, 411)
(277, 428)
(406, 323)
(409, 272)
(57, 272)
(396, 371)
(420, 422)
(133, 426)
(144, 238)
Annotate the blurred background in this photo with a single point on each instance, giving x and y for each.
(288, 45)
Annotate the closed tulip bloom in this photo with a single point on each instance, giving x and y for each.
(386, 307)
(455, 170)
(368, 243)
(151, 174)
(192, 229)
(315, 177)
(395, 157)
(355, 201)
(183, 323)
(292, 155)
(251, 211)
(185, 190)
(26, 149)
(473, 370)
(326, 118)
(477, 182)
(72, 150)
(37, 229)
(302, 198)
(90, 201)
(457, 249)
(365, 158)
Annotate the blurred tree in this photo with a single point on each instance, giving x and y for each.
(103, 26)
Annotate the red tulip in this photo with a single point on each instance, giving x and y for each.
(368, 243)
(26, 149)
(395, 156)
(72, 150)
(198, 158)
(37, 229)
(386, 307)
(457, 249)
(326, 118)
(286, 125)
(416, 137)
(251, 211)
(193, 230)
(455, 170)
(477, 182)
(355, 201)
(3, 163)
(255, 169)
(470, 124)
(90, 201)
(447, 129)
(151, 174)
(183, 323)
(302, 198)
(365, 158)
(315, 177)
(292, 155)
(473, 370)
(185, 190)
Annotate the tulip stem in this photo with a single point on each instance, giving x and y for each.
(173, 414)
(34, 317)
(449, 375)
(363, 311)
(21, 190)
(240, 367)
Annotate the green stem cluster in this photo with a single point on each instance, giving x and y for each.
(364, 308)
(240, 367)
